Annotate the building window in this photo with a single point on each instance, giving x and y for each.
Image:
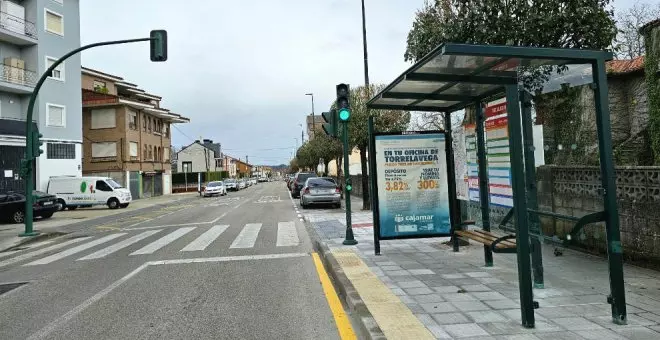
(58, 72)
(104, 118)
(145, 153)
(187, 166)
(132, 120)
(60, 151)
(149, 121)
(144, 122)
(133, 149)
(55, 115)
(54, 22)
(104, 149)
(151, 154)
(100, 86)
(155, 154)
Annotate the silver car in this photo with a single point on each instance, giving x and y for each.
(320, 190)
(214, 188)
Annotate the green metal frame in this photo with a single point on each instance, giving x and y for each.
(525, 211)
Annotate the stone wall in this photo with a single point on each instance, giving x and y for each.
(629, 116)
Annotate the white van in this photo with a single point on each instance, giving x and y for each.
(73, 192)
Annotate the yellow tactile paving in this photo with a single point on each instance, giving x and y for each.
(394, 318)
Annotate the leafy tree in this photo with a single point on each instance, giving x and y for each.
(305, 157)
(325, 147)
(293, 166)
(585, 24)
(629, 41)
(384, 121)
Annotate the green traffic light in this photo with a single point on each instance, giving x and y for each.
(344, 114)
(349, 187)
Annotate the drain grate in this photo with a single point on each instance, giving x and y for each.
(5, 287)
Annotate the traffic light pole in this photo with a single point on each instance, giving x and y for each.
(349, 239)
(30, 157)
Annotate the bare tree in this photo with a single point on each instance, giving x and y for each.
(629, 42)
(424, 121)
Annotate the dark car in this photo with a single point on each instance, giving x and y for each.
(299, 181)
(12, 206)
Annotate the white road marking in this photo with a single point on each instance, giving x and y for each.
(118, 246)
(74, 250)
(287, 235)
(25, 247)
(205, 239)
(42, 333)
(247, 237)
(42, 251)
(62, 320)
(163, 241)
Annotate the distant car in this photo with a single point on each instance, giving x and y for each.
(241, 184)
(12, 206)
(262, 179)
(254, 181)
(231, 184)
(320, 190)
(299, 181)
(214, 188)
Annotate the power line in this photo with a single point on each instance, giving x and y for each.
(177, 128)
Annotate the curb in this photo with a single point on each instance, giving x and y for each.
(33, 239)
(361, 315)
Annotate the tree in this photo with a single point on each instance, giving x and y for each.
(384, 121)
(325, 147)
(629, 41)
(293, 166)
(587, 24)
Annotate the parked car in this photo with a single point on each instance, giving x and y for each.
(320, 190)
(214, 188)
(12, 206)
(241, 184)
(231, 184)
(73, 192)
(263, 179)
(254, 181)
(299, 181)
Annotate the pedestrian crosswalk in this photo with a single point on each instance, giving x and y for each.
(147, 242)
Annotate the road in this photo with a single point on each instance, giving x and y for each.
(234, 267)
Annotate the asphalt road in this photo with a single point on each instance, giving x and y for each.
(234, 267)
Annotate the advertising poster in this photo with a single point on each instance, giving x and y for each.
(497, 154)
(460, 163)
(472, 164)
(412, 185)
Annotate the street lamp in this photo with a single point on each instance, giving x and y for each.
(302, 134)
(313, 120)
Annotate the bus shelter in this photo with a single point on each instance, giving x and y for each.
(453, 77)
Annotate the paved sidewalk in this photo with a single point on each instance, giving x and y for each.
(454, 296)
(9, 232)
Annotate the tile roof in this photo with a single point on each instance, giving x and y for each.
(625, 66)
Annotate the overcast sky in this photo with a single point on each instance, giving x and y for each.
(240, 69)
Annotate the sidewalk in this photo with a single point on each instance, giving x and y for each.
(421, 289)
(9, 232)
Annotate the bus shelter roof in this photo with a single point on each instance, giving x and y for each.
(453, 76)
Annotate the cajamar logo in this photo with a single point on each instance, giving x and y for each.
(83, 186)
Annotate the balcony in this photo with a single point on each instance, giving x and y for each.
(17, 80)
(16, 30)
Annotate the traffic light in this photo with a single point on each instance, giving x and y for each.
(330, 125)
(37, 144)
(343, 103)
(158, 45)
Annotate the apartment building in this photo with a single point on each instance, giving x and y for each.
(314, 123)
(127, 134)
(33, 34)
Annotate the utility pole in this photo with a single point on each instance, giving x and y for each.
(313, 119)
